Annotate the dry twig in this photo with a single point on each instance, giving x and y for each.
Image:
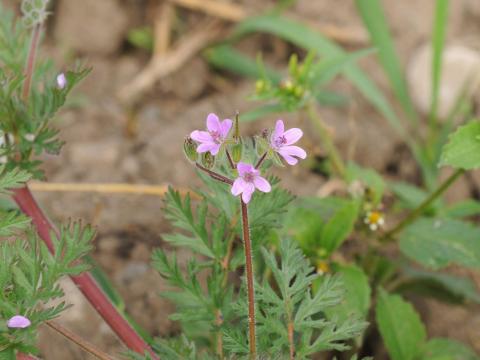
(158, 190)
(161, 66)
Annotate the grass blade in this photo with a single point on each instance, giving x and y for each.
(226, 57)
(374, 20)
(301, 35)
(438, 42)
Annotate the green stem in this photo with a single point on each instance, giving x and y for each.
(389, 236)
(31, 61)
(326, 139)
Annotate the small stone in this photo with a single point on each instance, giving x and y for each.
(460, 67)
(91, 26)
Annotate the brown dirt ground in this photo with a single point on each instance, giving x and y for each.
(99, 150)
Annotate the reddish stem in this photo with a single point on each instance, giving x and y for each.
(22, 356)
(85, 282)
(250, 289)
(260, 161)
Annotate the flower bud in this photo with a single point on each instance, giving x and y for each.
(237, 150)
(61, 81)
(208, 160)
(190, 149)
(262, 145)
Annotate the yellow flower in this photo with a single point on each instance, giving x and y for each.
(322, 267)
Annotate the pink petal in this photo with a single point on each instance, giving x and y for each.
(262, 184)
(212, 147)
(225, 126)
(293, 151)
(244, 168)
(213, 124)
(201, 136)
(279, 129)
(238, 186)
(214, 151)
(247, 193)
(292, 135)
(18, 322)
(289, 159)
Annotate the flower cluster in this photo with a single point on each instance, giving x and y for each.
(216, 138)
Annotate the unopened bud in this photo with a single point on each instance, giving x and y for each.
(208, 160)
(61, 81)
(298, 91)
(262, 146)
(237, 150)
(190, 149)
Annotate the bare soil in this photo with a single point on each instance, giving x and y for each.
(101, 149)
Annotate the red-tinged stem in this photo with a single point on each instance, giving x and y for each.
(31, 61)
(260, 161)
(214, 175)
(22, 356)
(250, 289)
(85, 282)
(86, 346)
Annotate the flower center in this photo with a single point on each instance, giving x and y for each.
(280, 141)
(248, 177)
(374, 217)
(216, 136)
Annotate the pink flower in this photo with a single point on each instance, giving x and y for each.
(212, 139)
(61, 81)
(18, 322)
(249, 178)
(281, 141)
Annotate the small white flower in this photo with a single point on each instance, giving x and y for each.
(374, 220)
(29, 137)
(9, 137)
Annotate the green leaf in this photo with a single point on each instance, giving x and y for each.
(261, 111)
(357, 294)
(462, 209)
(446, 287)
(303, 36)
(339, 226)
(226, 57)
(321, 225)
(447, 349)
(463, 148)
(438, 41)
(325, 70)
(141, 37)
(374, 19)
(410, 196)
(400, 326)
(437, 243)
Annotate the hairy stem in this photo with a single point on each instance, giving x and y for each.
(389, 236)
(261, 160)
(32, 52)
(290, 340)
(85, 282)
(250, 288)
(326, 139)
(22, 356)
(230, 161)
(214, 175)
(86, 346)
